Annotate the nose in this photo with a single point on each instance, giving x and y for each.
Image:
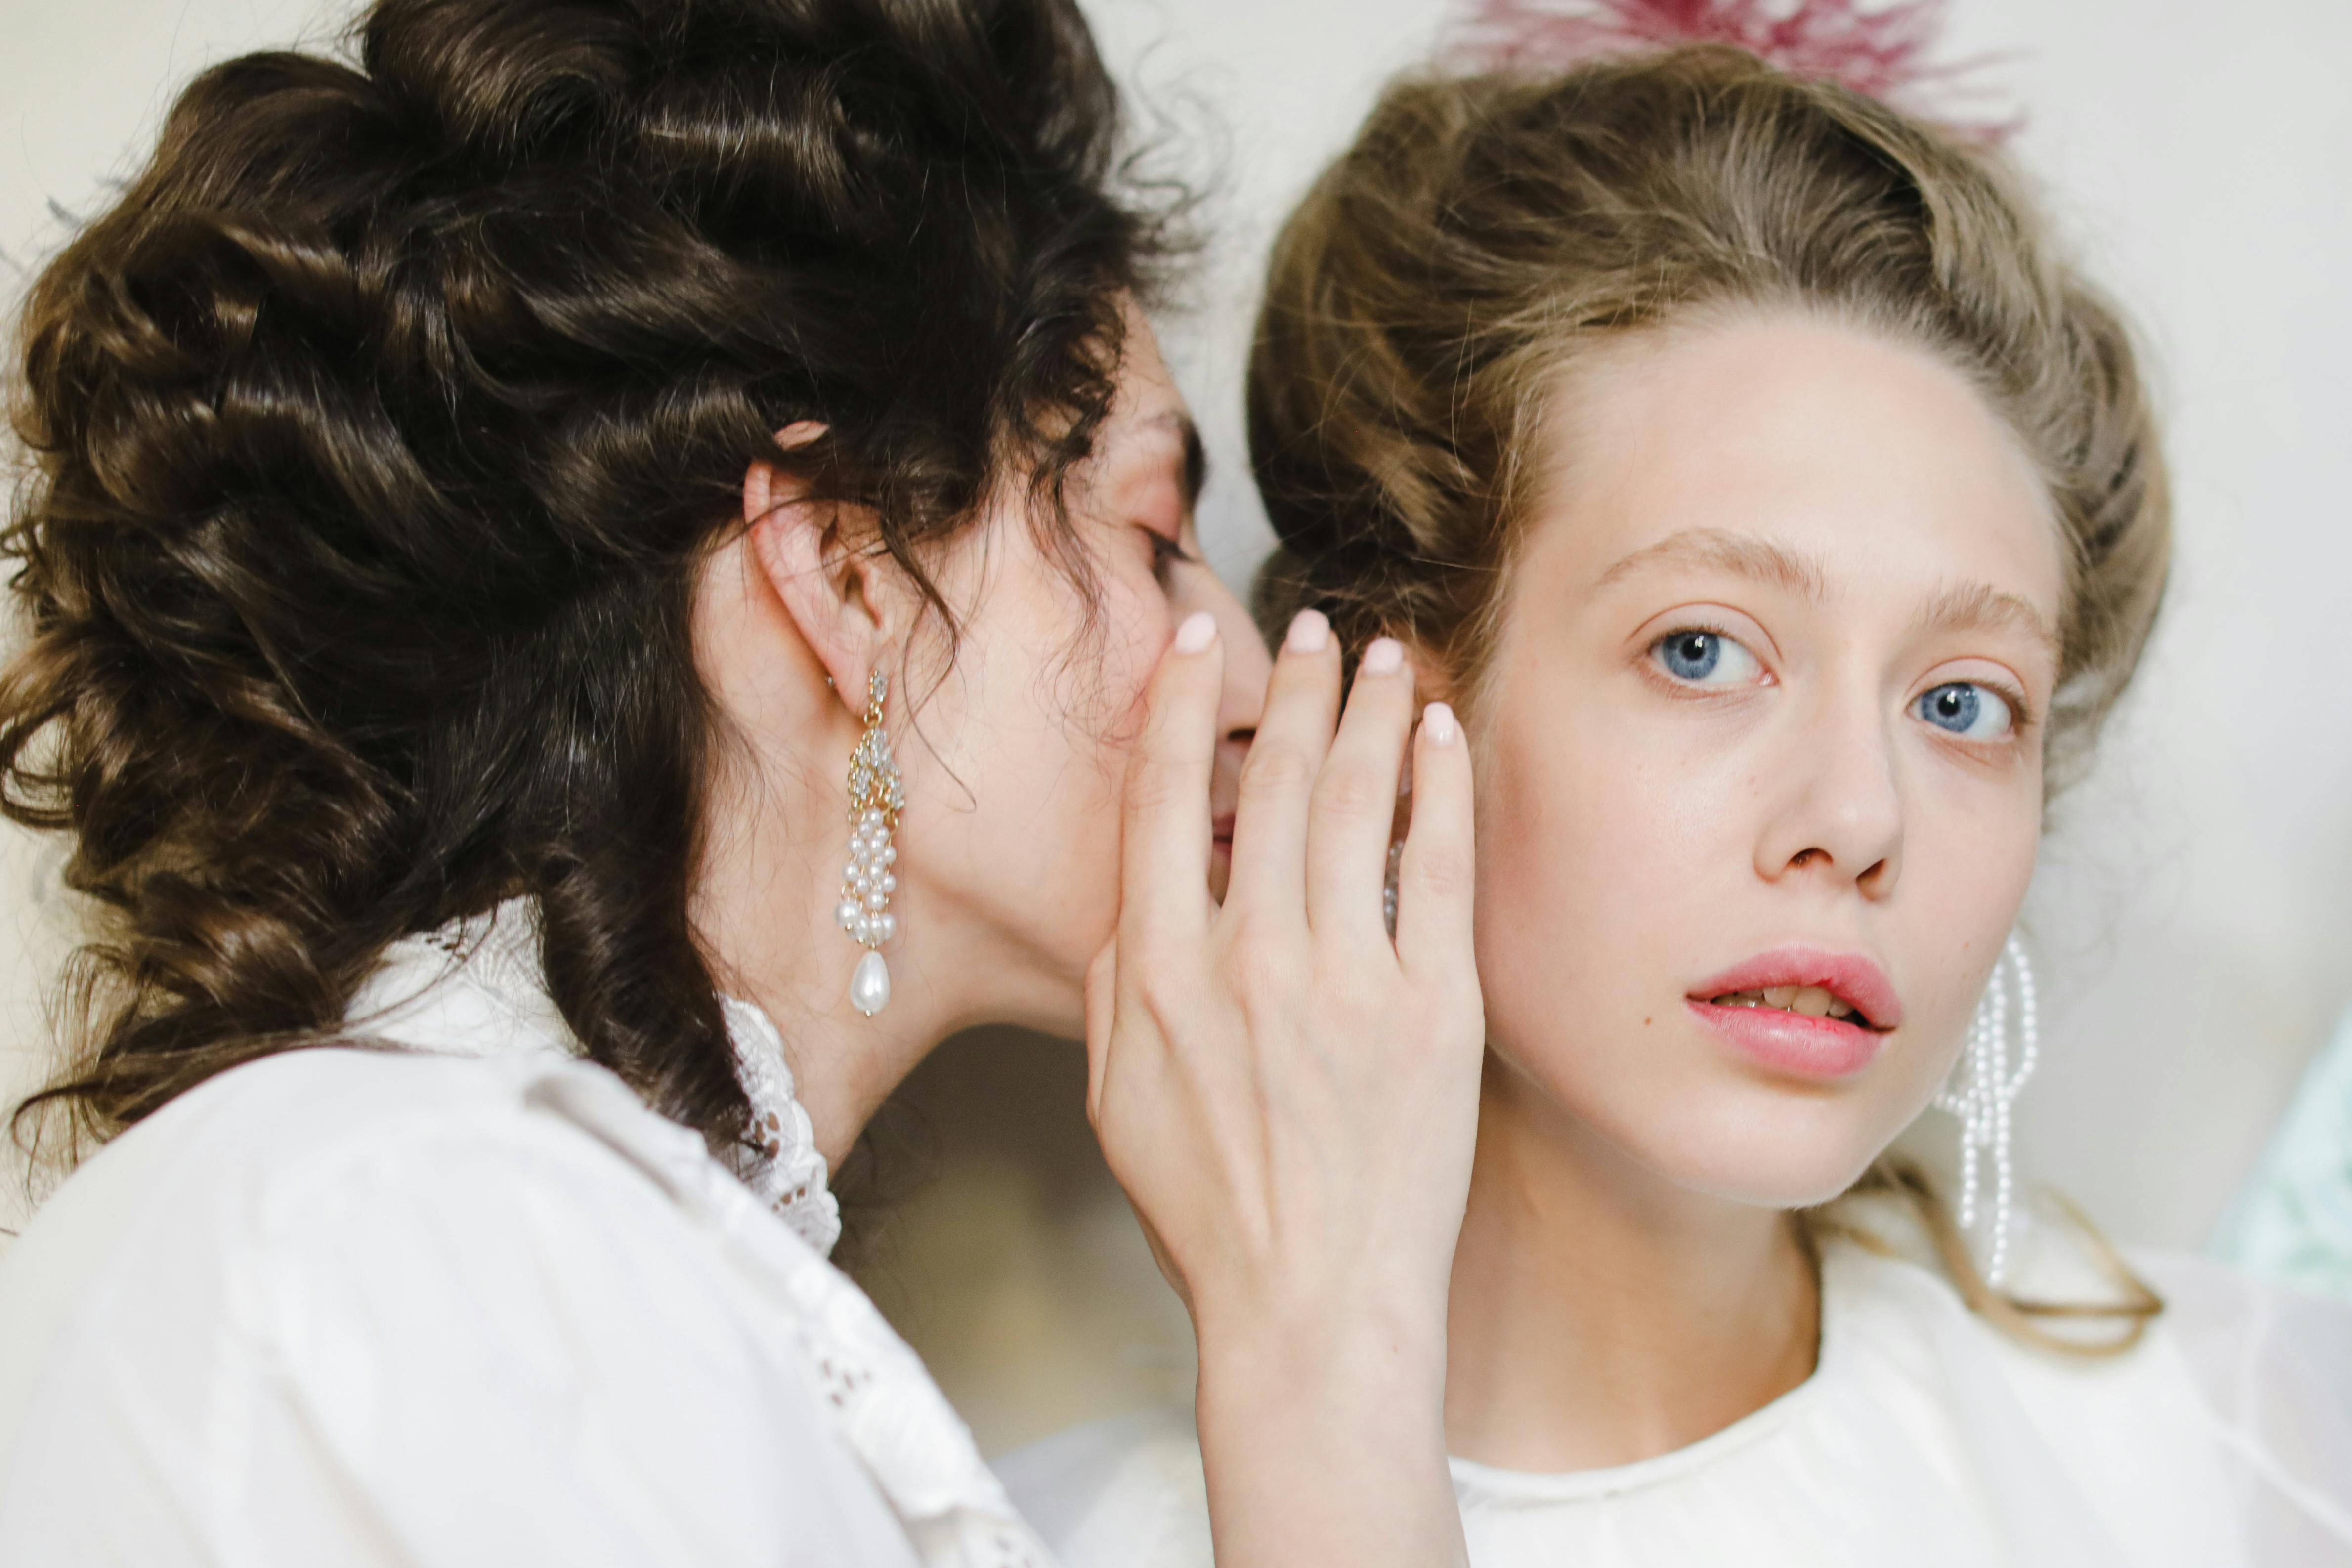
(1837, 814)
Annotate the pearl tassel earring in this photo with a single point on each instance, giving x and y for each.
(1981, 1095)
(866, 883)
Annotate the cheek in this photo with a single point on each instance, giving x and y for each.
(1970, 857)
(1591, 856)
(1074, 715)
(1605, 839)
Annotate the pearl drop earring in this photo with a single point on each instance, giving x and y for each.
(1982, 1091)
(868, 882)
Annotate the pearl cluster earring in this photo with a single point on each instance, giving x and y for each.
(1981, 1093)
(875, 800)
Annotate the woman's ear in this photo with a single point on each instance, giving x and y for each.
(817, 558)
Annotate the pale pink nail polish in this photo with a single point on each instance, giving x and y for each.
(1199, 630)
(1309, 633)
(1437, 722)
(1385, 657)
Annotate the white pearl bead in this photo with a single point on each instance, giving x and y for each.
(888, 856)
(885, 927)
(869, 987)
(878, 901)
(845, 912)
(873, 818)
(886, 883)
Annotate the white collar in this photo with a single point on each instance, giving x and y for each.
(475, 987)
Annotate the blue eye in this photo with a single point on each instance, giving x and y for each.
(1969, 711)
(1705, 658)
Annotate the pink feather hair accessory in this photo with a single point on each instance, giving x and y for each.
(1882, 52)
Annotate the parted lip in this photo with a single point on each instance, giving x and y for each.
(1849, 977)
(1221, 828)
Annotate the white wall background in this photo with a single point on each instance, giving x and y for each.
(2196, 907)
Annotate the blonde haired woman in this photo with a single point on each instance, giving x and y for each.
(1783, 516)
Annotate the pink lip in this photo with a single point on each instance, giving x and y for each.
(1791, 1042)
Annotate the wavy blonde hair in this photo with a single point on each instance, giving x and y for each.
(1486, 235)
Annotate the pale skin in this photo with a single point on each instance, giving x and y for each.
(1857, 533)
(1085, 851)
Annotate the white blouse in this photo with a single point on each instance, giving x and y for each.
(467, 1303)
(1923, 1439)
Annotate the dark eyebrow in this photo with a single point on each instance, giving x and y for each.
(1967, 606)
(1743, 555)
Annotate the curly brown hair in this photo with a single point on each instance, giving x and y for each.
(379, 426)
(1484, 234)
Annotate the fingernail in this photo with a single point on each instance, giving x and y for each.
(1199, 630)
(1309, 633)
(1385, 657)
(1438, 723)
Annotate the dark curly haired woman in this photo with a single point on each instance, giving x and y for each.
(600, 578)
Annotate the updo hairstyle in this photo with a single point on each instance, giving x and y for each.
(378, 428)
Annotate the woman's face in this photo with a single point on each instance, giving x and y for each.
(1764, 717)
(1015, 760)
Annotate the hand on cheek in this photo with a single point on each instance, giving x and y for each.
(1256, 1066)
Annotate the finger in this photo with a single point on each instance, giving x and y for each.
(1435, 882)
(1165, 832)
(1294, 733)
(1355, 803)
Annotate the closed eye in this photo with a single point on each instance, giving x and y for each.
(1165, 554)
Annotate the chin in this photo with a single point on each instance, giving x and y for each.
(1781, 1178)
(1755, 1145)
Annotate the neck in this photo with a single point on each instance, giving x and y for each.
(1600, 1315)
(763, 911)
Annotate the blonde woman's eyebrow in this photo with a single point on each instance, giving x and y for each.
(1741, 555)
(1980, 606)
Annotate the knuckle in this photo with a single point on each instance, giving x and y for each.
(1257, 964)
(1442, 872)
(1355, 791)
(1157, 993)
(1271, 771)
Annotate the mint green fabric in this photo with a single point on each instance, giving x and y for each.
(2293, 1221)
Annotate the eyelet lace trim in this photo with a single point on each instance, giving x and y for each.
(781, 1164)
(499, 953)
(883, 1401)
